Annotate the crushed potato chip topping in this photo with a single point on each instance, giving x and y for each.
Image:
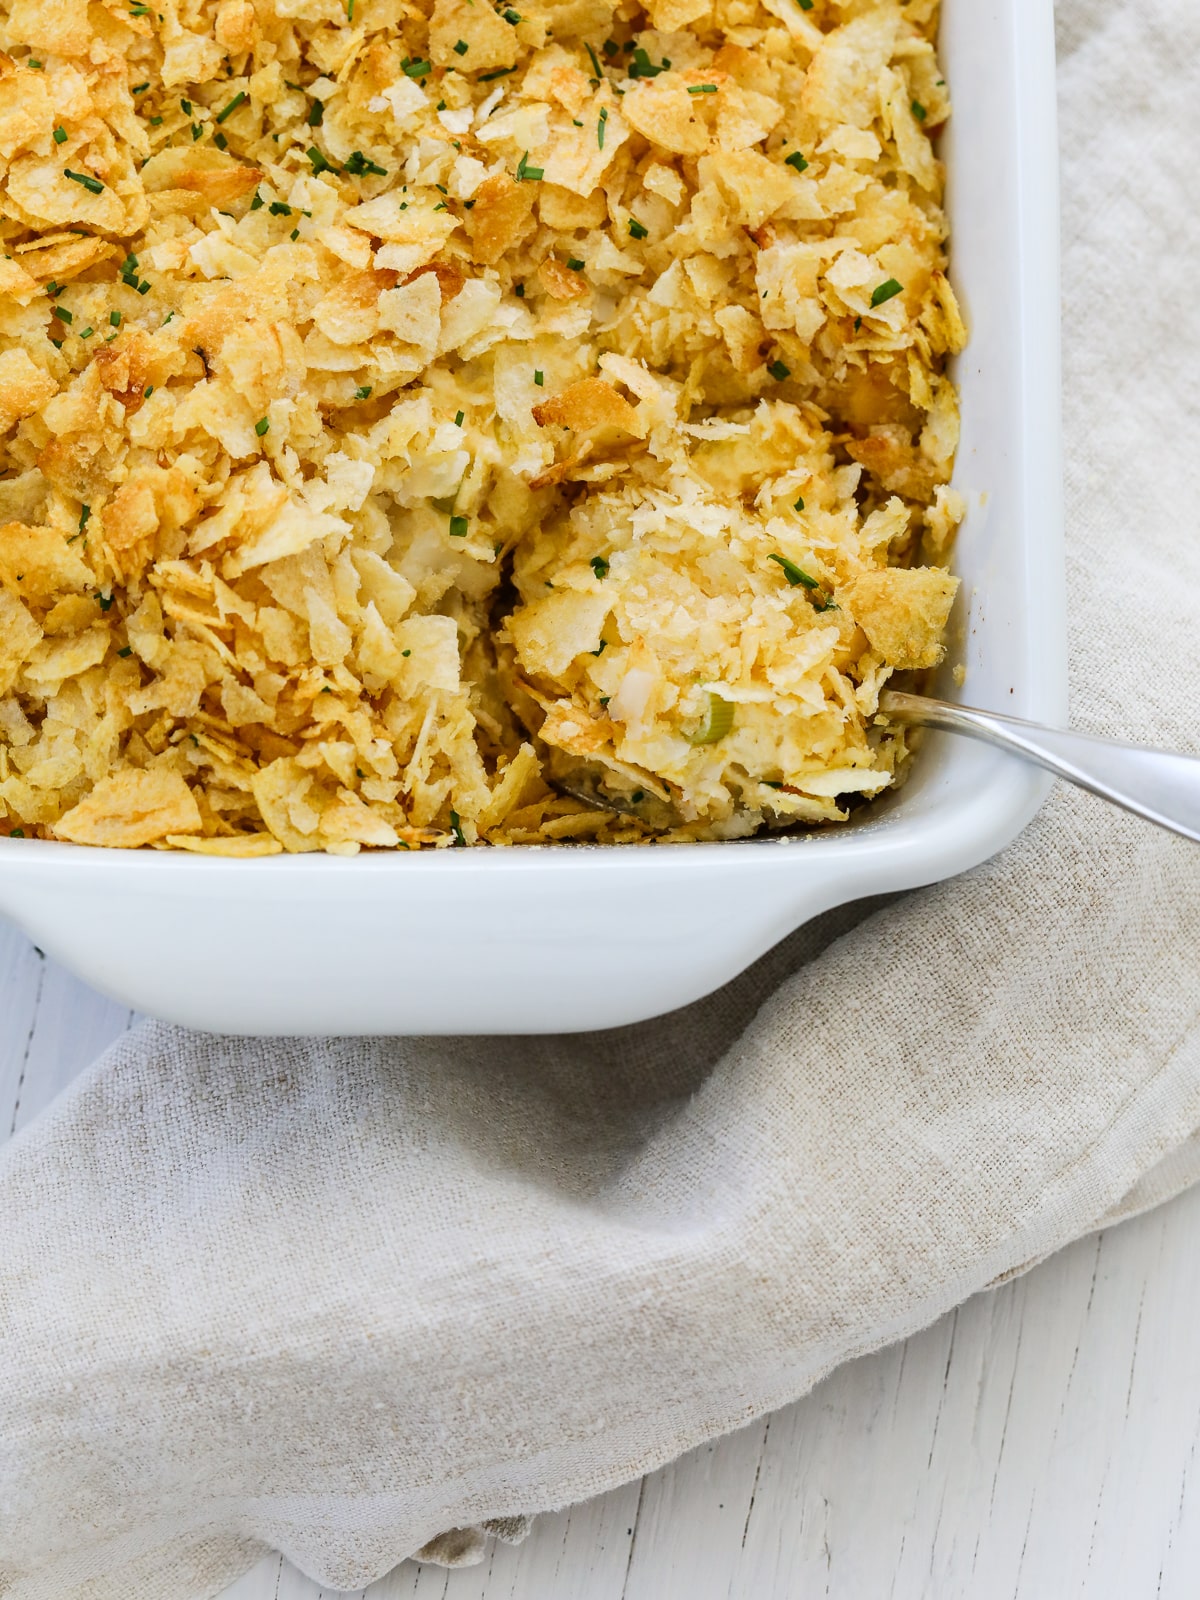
(428, 422)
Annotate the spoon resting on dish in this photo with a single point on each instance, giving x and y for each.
(1160, 785)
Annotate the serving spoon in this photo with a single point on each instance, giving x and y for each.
(1156, 784)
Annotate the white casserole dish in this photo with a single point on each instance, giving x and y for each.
(547, 939)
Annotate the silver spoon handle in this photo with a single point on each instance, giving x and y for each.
(1157, 784)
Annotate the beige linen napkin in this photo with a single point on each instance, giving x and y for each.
(339, 1298)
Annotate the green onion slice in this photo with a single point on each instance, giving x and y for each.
(717, 722)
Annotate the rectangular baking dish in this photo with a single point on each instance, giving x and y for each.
(547, 939)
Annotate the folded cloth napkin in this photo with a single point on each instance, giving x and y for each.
(339, 1298)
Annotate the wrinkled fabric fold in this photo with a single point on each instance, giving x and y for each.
(339, 1297)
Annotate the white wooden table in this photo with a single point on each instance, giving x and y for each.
(1041, 1442)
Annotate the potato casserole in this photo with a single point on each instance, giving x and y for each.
(431, 422)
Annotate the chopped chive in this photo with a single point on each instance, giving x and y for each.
(84, 513)
(539, 377)
(53, 288)
(143, 287)
(887, 290)
(126, 653)
(258, 202)
(857, 324)
(114, 319)
(63, 314)
(919, 111)
(60, 136)
(86, 333)
(239, 99)
(139, 11)
(575, 122)
(130, 264)
(602, 648)
(500, 72)
(349, 10)
(166, 319)
(595, 60)
(778, 371)
(316, 114)
(805, 5)
(511, 16)
(526, 173)
(278, 209)
(16, 833)
(458, 527)
(406, 652)
(799, 506)
(461, 48)
(642, 67)
(261, 426)
(575, 264)
(363, 392)
(147, 391)
(222, 143)
(519, 291)
(600, 127)
(197, 131)
(139, 88)
(459, 418)
(320, 163)
(637, 230)
(187, 107)
(796, 160)
(416, 69)
(599, 566)
(155, 122)
(441, 206)
(294, 235)
(702, 88)
(106, 601)
(92, 185)
(794, 574)
(456, 826)
(611, 48)
(36, 65)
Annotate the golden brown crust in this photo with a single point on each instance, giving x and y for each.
(415, 419)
